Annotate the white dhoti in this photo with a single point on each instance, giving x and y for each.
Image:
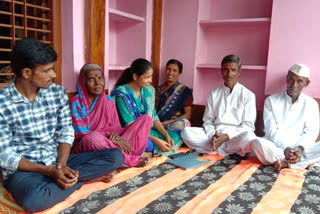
(268, 153)
(196, 138)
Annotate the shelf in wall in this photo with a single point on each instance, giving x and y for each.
(213, 22)
(118, 15)
(246, 67)
(118, 67)
(2, 85)
(6, 74)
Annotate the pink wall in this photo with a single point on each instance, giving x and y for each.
(128, 36)
(178, 39)
(248, 41)
(294, 38)
(222, 9)
(128, 39)
(73, 42)
(149, 16)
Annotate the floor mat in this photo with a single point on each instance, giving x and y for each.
(224, 185)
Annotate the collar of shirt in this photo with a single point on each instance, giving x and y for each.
(227, 90)
(17, 97)
(289, 99)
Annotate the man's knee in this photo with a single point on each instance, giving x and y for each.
(33, 202)
(44, 196)
(117, 154)
(29, 195)
(256, 144)
(248, 136)
(113, 156)
(182, 133)
(185, 133)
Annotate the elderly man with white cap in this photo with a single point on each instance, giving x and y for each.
(291, 121)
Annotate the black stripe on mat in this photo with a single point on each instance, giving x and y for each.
(100, 199)
(309, 199)
(174, 199)
(248, 195)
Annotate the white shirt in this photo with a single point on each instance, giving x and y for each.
(230, 113)
(291, 125)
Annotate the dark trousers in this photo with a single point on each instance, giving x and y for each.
(35, 192)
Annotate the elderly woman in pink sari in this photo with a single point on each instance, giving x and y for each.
(96, 122)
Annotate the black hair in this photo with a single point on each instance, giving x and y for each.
(176, 62)
(138, 66)
(231, 58)
(29, 53)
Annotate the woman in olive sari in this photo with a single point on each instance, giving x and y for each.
(173, 99)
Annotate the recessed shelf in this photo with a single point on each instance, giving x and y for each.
(118, 67)
(2, 85)
(213, 22)
(246, 67)
(128, 35)
(7, 74)
(120, 16)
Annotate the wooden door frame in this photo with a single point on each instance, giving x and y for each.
(97, 32)
(156, 40)
(57, 39)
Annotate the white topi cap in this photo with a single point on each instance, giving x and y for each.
(300, 70)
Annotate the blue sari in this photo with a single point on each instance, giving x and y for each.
(130, 108)
(170, 104)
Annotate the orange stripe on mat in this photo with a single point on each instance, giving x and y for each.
(283, 193)
(88, 189)
(140, 198)
(7, 204)
(216, 193)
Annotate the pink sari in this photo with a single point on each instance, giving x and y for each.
(93, 123)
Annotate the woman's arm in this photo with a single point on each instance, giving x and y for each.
(187, 115)
(158, 125)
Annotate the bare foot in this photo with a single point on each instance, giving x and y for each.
(142, 162)
(104, 178)
(116, 171)
(147, 155)
(280, 165)
(310, 166)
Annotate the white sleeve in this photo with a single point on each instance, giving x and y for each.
(272, 130)
(209, 117)
(311, 126)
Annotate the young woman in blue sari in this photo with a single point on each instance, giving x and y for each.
(135, 96)
(173, 99)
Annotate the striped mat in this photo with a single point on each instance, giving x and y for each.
(224, 185)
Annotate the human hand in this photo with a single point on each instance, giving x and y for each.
(218, 139)
(166, 122)
(293, 155)
(114, 137)
(64, 176)
(170, 141)
(123, 145)
(163, 145)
